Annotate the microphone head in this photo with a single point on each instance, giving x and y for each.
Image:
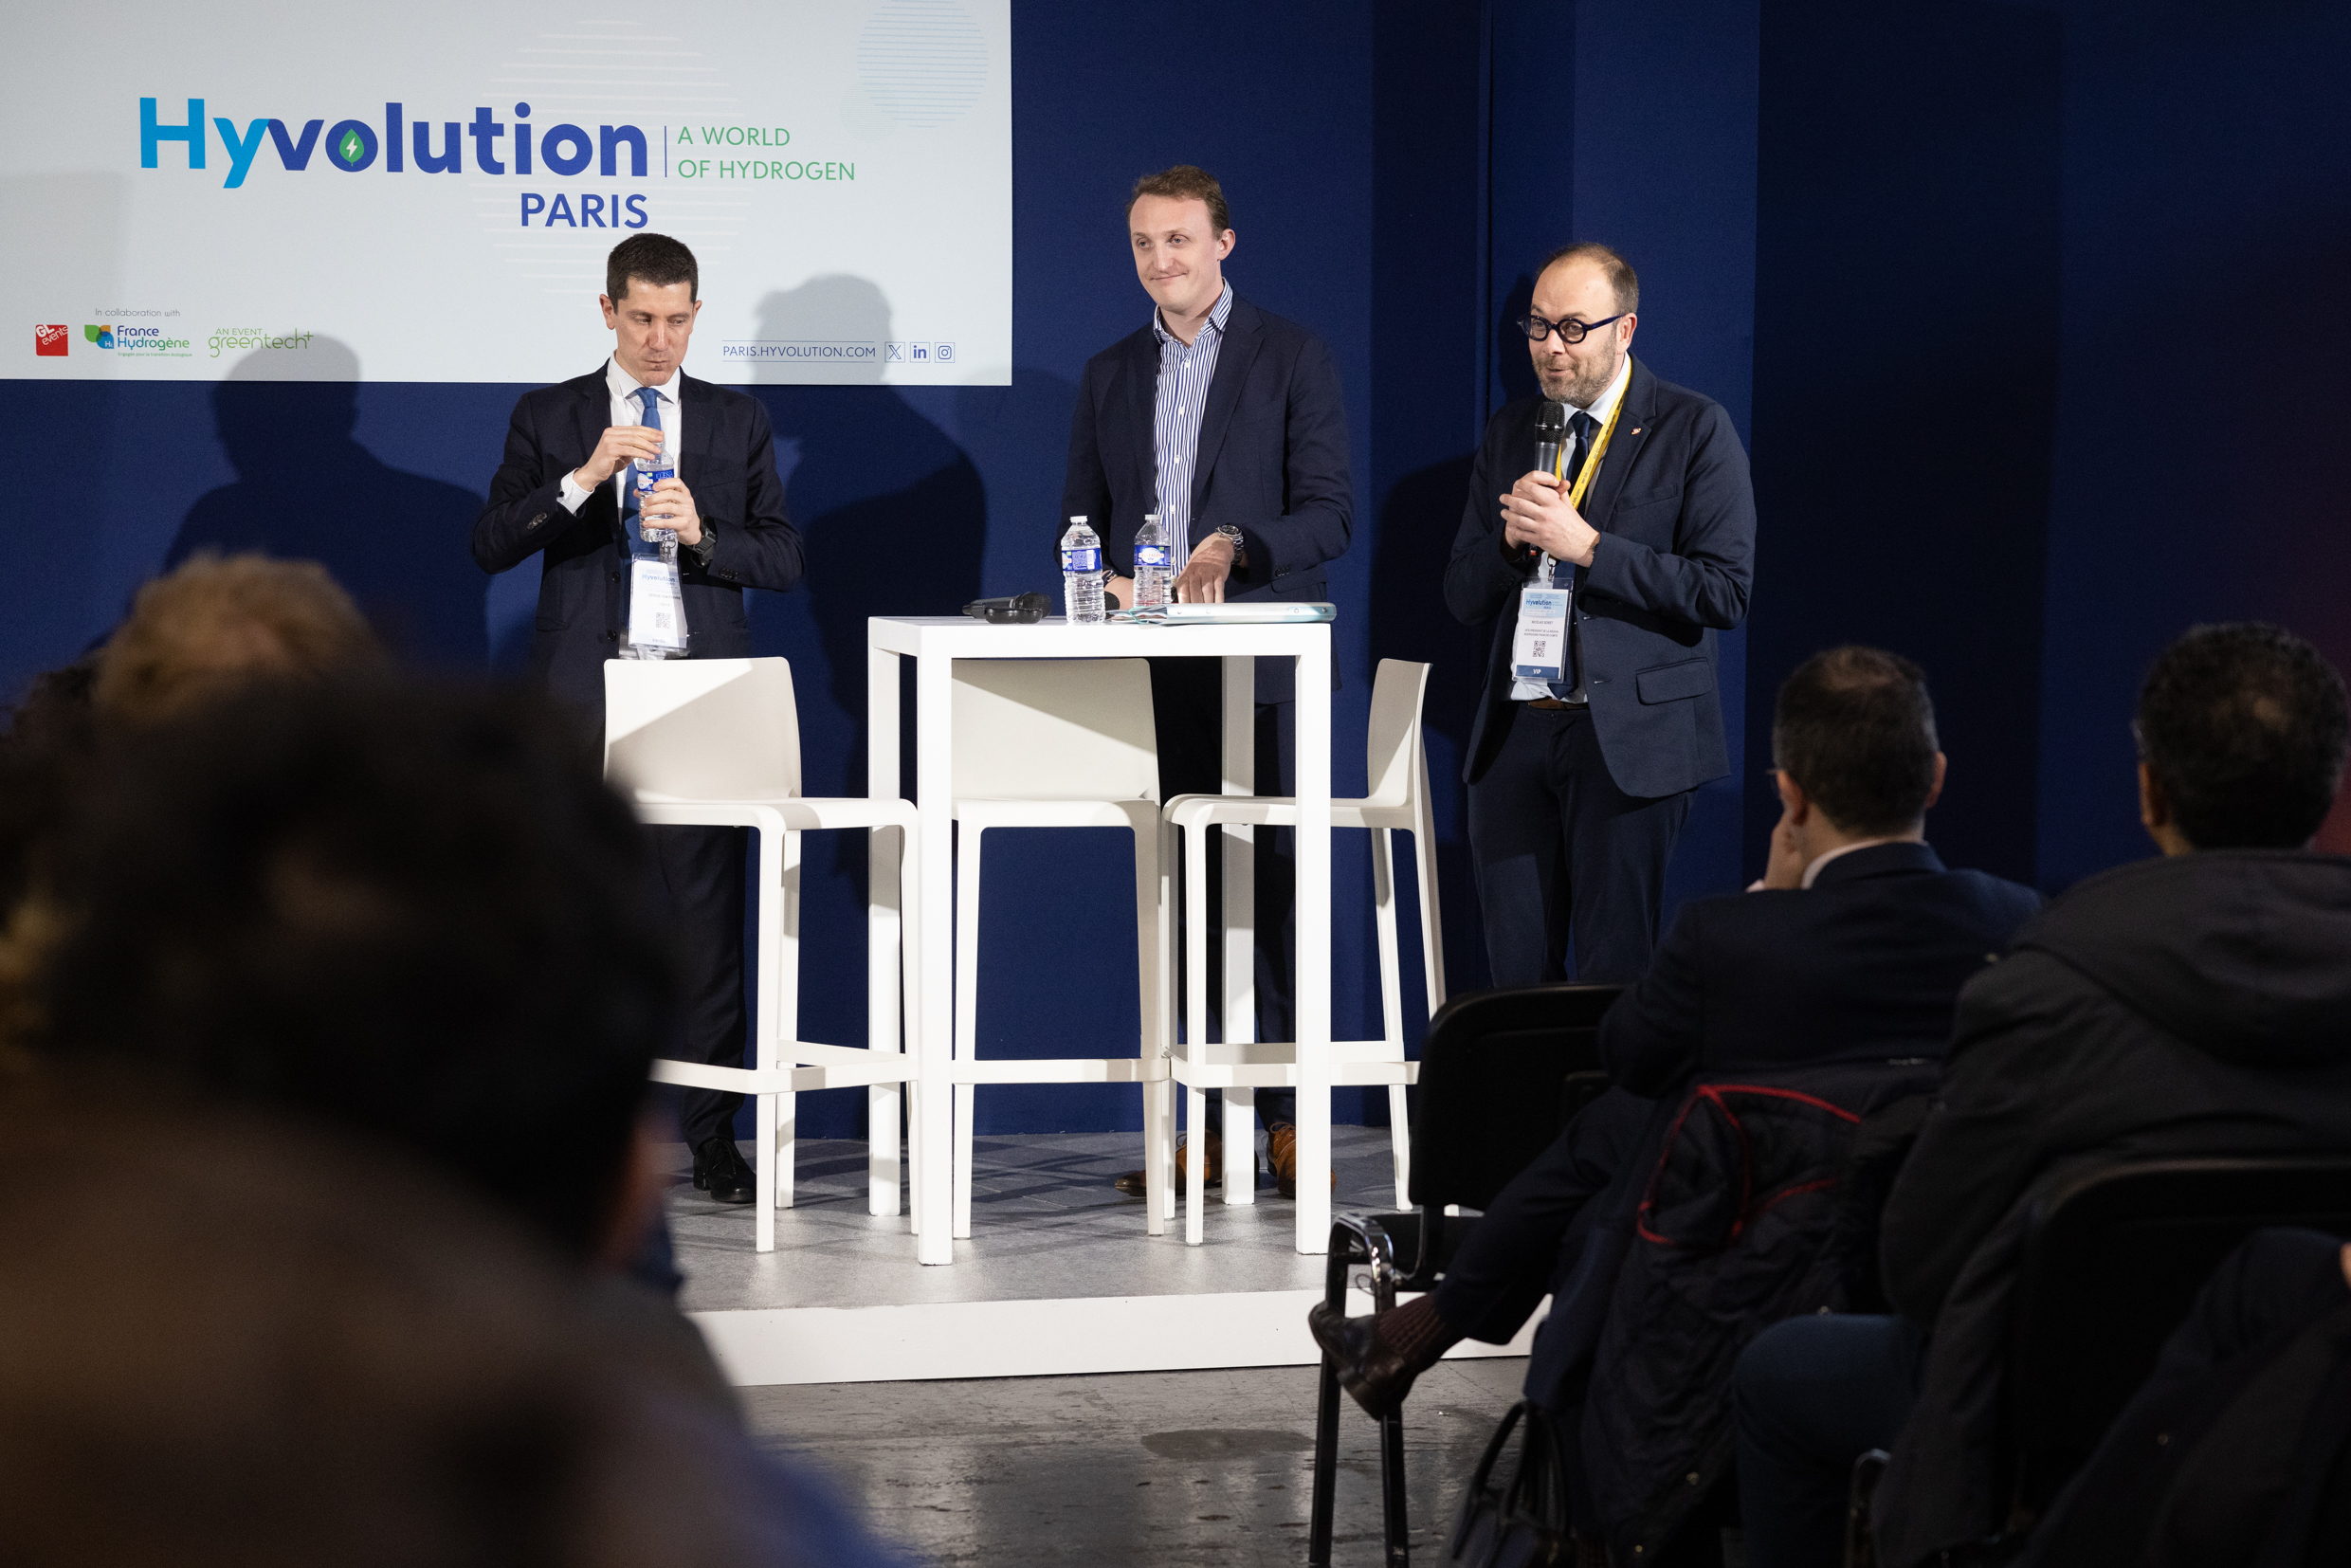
(1551, 424)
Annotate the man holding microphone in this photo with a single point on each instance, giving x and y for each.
(1604, 577)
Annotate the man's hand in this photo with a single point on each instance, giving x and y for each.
(1119, 592)
(1537, 512)
(670, 504)
(1204, 573)
(618, 446)
(1785, 869)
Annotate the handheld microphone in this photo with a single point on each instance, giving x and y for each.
(1550, 435)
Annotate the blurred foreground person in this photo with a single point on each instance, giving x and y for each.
(214, 627)
(218, 625)
(257, 1344)
(409, 923)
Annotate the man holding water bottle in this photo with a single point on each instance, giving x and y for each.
(569, 488)
(1224, 422)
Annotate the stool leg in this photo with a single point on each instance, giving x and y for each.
(788, 1020)
(1240, 1141)
(763, 1177)
(966, 1102)
(968, 841)
(1158, 1104)
(914, 1155)
(1195, 1167)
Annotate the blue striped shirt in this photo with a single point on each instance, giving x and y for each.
(1185, 372)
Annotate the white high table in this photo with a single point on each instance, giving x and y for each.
(933, 642)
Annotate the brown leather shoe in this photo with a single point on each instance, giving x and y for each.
(1282, 1154)
(1374, 1375)
(1138, 1183)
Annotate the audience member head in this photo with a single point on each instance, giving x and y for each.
(2242, 731)
(416, 913)
(1853, 743)
(220, 623)
(252, 1344)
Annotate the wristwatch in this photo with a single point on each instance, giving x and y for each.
(1240, 546)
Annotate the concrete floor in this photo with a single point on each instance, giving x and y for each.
(1169, 1468)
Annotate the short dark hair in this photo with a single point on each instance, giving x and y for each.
(1855, 729)
(653, 259)
(1185, 182)
(1622, 281)
(2244, 726)
(415, 912)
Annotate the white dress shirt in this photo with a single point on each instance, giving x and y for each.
(1602, 406)
(626, 409)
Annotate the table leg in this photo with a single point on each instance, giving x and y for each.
(1240, 923)
(888, 958)
(1314, 947)
(934, 792)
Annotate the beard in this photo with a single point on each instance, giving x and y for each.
(1580, 389)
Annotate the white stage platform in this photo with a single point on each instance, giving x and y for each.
(1058, 1275)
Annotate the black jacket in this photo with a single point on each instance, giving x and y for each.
(1677, 552)
(1863, 966)
(727, 461)
(1272, 460)
(1810, 1024)
(2198, 1005)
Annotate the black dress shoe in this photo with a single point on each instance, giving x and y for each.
(1374, 1375)
(721, 1170)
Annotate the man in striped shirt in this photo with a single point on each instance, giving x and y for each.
(1226, 421)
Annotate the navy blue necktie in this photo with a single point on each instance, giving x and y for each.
(1581, 425)
(639, 547)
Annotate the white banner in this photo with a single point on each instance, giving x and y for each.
(426, 192)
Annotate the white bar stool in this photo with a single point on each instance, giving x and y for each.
(1396, 772)
(715, 742)
(1055, 743)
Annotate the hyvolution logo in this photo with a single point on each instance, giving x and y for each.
(497, 147)
(51, 342)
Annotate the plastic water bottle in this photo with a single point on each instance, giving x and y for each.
(651, 471)
(1081, 574)
(1155, 563)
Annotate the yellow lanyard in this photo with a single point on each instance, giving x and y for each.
(1591, 463)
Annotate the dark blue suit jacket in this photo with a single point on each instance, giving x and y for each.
(727, 461)
(1864, 966)
(1676, 554)
(1272, 461)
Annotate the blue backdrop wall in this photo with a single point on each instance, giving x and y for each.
(2028, 311)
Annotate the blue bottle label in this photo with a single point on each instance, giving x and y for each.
(1081, 560)
(1151, 554)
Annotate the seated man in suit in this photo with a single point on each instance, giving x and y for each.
(1850, 949)
(2194, 1004)
(1225, 420)
(568, 488)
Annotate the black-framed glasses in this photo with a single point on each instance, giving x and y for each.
(1570, 331)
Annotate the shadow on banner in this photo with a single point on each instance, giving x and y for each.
(306, 489)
